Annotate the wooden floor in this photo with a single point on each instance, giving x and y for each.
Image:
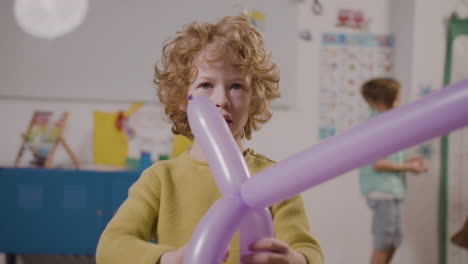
(39, 259)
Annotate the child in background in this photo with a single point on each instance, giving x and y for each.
(460, 238)
(383, 182)
(227, 63)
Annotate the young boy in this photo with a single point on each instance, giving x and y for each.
(383, 182)
(227, 63)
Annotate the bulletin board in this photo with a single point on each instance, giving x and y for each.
(454, 168)
(346, 61)
(111, 56)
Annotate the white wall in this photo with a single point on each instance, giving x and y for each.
(338, 215)
(428, 47)
(106, 58)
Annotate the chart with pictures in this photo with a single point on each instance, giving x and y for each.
(346, 61)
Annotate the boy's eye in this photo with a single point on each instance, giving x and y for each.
(237, 86)
(205, 85)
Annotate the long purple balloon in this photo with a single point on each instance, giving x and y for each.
(431, 116)
(221, 151)
(255, 225)
(214, 232)
(228, 168)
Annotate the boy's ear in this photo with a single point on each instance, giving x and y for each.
(184, 104)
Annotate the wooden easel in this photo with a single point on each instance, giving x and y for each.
(60, 125)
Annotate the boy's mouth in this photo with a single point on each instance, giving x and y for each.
(228, 120)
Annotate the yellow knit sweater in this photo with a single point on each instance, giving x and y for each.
(166, 204)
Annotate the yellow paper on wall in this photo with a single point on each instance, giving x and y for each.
(110, 145)
(179, 145)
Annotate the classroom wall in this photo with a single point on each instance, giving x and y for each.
(338, 215)
(102, 58)
(428, 47)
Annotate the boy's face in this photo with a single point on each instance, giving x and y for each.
(227, 86)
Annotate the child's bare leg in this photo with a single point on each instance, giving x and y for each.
(391, 252)
(380, 257)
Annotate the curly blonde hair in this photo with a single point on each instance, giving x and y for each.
(231, 34)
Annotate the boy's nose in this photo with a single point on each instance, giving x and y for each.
(220, 98)
(222, 105)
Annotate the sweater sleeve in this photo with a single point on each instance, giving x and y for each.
(291, 226)
(126, 238)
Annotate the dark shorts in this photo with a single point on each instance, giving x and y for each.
(386, 223)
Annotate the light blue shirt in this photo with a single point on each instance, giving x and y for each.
(389, 182)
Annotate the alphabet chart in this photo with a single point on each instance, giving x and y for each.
(346, 61)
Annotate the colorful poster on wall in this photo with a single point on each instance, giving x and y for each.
(346, 61)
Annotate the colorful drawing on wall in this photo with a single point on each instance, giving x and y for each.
(111, 135)
(152, 134)
(256, 17)
(346, 61)
(42, 137)
(425, 89)
(122, 138)
(351, 18)
(426, 150)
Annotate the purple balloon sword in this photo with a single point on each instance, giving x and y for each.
(431, 116)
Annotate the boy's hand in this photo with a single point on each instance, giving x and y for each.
(173, 257)
(177, 256)
(416, 164)
(273, 251)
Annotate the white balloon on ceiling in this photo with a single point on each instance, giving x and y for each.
(49, 19)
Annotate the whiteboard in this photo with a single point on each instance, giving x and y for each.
(111, 56)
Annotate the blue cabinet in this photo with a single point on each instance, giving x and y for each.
(47, 211)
